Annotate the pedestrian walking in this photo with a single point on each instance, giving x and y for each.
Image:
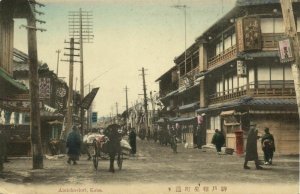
(218, 140)
(251, 148)
(200, 128)
(172, 138)
(3, 149)
(132, 141)
(268, 146)
(155, 134)
(199, 136)
(73, 145)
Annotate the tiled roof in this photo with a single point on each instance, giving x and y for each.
(25, 66)
(12, 81)
(272, 102)
(249, 101)
(255, 2)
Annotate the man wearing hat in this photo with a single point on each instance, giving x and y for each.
(251, 147)
(268, 146)
(73, 145)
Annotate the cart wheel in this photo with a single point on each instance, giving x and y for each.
(95, 156)
(120, 160)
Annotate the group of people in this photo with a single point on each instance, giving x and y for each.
(74, 142)
(267, 144)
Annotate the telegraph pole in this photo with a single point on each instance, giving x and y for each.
(35, 122)
(126, 90)
(89, 111)
(57, 64)
(80, 28)
(117, 109)
(145, 97)
(184, 11)
(291, 32)
(69, 117)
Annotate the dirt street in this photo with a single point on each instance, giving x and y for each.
(156, 169)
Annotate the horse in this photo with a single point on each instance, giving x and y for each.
(110, 144)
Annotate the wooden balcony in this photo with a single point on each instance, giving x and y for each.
(261, 89)
(222, 58)
(189, 75)
(270, 41)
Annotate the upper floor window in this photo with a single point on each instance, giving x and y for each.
(228, 42)
(272, 25)
(219, 48)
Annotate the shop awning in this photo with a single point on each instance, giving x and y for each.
(227, 113)
(169, 119)
(284, 104)
(169, 94)
(193, 106)
(55, 122)
(273, 111)
(259, 54)
(185, 119)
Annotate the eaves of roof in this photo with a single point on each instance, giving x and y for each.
(288, 103)
(12, 81)
(167, 72)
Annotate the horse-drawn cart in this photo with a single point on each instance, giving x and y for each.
(109, 145)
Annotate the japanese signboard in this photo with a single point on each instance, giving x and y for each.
(285, 50)
(45, 87)
(248, 34)
(241, 68)
(94, 117)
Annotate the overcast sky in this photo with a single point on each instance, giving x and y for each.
(128, 35)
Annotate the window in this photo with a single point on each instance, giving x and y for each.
(277, 73)
(278, 25)
(242, 82)
(226, 86)
(215, 122)
(288, 73)
(233, 39)
(227, 42)
(219, 48)
(235, 83)
(195, 60)
(188, 65)
(26, 118)
(266, 25)
(230, 85)
(221, 88)
(182, 69)
(263, 72)
(271, 25)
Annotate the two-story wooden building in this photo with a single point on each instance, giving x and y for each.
(234, 74)
(244, 78)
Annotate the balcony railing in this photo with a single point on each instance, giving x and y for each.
(270, 40)
(223, 57)
(261, 89)
(190, 75)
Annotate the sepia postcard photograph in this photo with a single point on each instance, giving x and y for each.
(149, 96)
